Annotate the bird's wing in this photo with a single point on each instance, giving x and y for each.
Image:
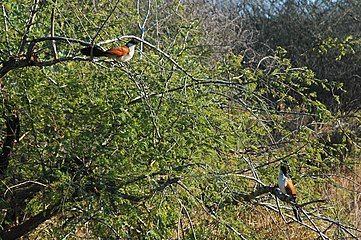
(118, 52)
(96, 51)
(290, 188)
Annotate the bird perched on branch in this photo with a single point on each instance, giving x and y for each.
(123, 53)
(286, 185)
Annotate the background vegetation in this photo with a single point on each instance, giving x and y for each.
(185, 140)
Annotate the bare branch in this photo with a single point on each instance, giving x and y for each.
(30, 224)
(44, 39)
(29, 24)
(273, 208)
(6, 27)
(198, 83)
(189, 218)
(29, 60)
(105, 21)
(276, 160)
(52, 30)
(23, 183)
(16, 64)
(279, 210)
(142, 26)
(313, 224)
(12, 123)
(312, 202)
(211, 214)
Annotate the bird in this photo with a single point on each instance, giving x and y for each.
(286, 185)
(123, 53)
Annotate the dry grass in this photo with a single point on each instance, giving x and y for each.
(270, 225)
(344, 193)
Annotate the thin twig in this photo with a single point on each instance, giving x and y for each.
(210, 213)
(6, 28)
(198, 83)
(106, 20)
(29, 24)
(312, 202)
(313, 224)
(21, 184)
(52, 30)
(269, 206)
(107, 225)
(254, 171)
(143, 90)
(142, 26)
(279, 210)
(276, 160)
(189, 219)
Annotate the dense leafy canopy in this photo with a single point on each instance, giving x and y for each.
(174, 143)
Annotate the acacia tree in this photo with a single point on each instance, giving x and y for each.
(173, 144)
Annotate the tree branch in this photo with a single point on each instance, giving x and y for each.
(52, 30)
(30, 224)
(29, 24)
(12, 133)
(105, 21)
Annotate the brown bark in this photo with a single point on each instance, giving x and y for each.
(12, 134)
(30, 224)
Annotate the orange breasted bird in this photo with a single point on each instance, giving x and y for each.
(286, 185)
(123, 53)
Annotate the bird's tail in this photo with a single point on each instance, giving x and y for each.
(94, 51)
(297, 214)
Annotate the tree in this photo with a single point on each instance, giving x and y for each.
(171, 144)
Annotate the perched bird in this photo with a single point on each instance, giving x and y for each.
(286, 185)
(97, 51)
(123, 53)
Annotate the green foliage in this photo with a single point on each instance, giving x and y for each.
(141, 169)
(344, 47)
